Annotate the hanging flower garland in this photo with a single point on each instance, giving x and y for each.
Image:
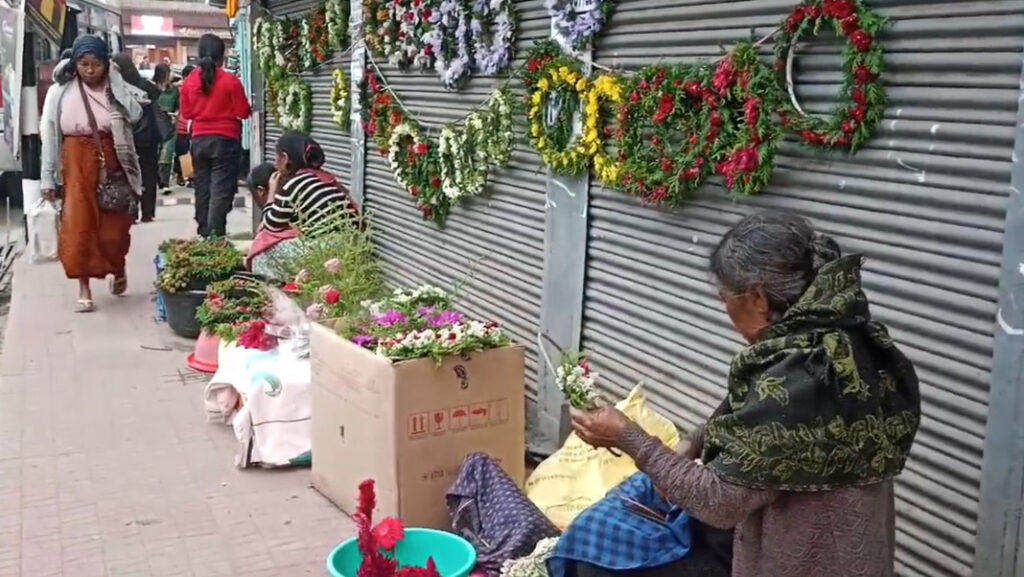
(315, 40)
(605, 89)
(492, 33)
(669, 128)
(483, 142)
(375, 15)
(580, 27)
(448, 43)
(746, 87)
(862, 96)
(407, 24)
(556, 85)
(266, 32)
(341, 101)
(295, 105)
(415, 166)
(337, 13)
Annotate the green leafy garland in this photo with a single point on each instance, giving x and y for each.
(855, 118)
(341, 100)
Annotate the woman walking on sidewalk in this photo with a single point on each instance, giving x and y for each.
(215, 101)
(168, 101)
(821, 411)
(86, 133)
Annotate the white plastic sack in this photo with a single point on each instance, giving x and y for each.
(43, 231)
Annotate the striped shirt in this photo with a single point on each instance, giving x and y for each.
(307, 201)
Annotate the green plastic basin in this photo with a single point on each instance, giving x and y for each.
(453, 555)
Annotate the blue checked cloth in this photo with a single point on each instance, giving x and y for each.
(611, 536)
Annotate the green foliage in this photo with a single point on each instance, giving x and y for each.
(201, 260)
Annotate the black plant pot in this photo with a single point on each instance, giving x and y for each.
(181, 312)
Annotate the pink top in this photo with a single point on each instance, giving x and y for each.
(73, 118)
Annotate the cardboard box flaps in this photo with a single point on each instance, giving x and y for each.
(409, 425)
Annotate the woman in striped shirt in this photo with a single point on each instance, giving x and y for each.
(301, 195)
(300, 202)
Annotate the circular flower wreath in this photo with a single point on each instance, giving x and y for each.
(266, 32)
(580, 27)
(492, 32)
(414, 164)
(375, 14)
(447, 43)
(485, 141)
(669, 127)
(746, 87)
(294, 105)
(341, 101)
(403, 31)
(556, 88)
(863, 97)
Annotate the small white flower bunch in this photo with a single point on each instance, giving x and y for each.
(534, 564)
(576, 381)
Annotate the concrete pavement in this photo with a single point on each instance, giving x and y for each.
(107, 464)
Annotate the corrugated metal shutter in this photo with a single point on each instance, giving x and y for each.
(334, 140)
(505, 230)
(925, 202)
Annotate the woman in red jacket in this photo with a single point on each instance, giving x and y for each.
(215, 102)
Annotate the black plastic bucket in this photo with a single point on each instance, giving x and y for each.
(181, 312)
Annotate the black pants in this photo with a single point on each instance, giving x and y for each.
(182, 146)
(215, 159)
(149, 158)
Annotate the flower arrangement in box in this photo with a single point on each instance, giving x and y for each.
(196, 263)
(231, 306)
(418, 323)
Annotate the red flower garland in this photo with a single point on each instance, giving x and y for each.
(669, 128)
(854, 121)
(747, 89)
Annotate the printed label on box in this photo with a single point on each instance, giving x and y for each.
(460, 418)
(418, 425)
(479, 415)
(439, 422)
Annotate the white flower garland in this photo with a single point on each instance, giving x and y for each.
(403, 32)
(485, 141)
(295, 106)
(307, 62)
(266, 32)
(579, 27)
(405, 130)
(337, 23)
(341, 101)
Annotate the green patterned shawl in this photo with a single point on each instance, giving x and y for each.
(824, 399)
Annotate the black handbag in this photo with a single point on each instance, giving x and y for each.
(111, 195)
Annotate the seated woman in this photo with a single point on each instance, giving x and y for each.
(821, 412)
(299, 200)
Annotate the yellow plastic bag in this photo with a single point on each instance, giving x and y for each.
(578, 475)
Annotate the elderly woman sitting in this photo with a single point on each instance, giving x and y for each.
(821, 411)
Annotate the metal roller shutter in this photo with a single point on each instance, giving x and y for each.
(504, 229)
(924, 201)
(334, 140)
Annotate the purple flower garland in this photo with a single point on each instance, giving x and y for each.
(579, 28)
(494, 18)
(453, 68)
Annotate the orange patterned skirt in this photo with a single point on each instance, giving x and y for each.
(93, 243)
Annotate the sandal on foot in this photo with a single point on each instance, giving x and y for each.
(118, 285)
(84, 306)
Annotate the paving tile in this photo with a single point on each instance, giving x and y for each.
(108, 467)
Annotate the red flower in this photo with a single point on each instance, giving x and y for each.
(256, 337)
(367, 499)
(408, 16)
(752, 109)
(848, 126)
(427, 13)
(332, 297)
(435, 182)
(839, 8)
(863, 74)
(655, 140)
(796, 19)
(421, 148)
(665, 107)
(644, 85)
(384, 151)
(691, 173)
(414, 191)
(428, 50)
(635, 97)
(533, 66)
(725, 76)
(388, 533)
(666, 165)
(857, 94)
(858, 114)
(716, 118)
(850, 24)
(291, 288)
(427, 211)
(862, 40)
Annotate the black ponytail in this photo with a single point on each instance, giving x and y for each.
(211, 56)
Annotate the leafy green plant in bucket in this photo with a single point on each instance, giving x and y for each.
(197, 260)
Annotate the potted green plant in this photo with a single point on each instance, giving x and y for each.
(189, 268)
(227, 307)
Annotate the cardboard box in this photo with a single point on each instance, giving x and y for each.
(409, 425)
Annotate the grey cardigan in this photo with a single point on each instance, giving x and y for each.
(130, 100)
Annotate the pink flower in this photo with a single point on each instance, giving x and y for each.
(303, 277)
(315, 311)
(333, 266)
(388, 533)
